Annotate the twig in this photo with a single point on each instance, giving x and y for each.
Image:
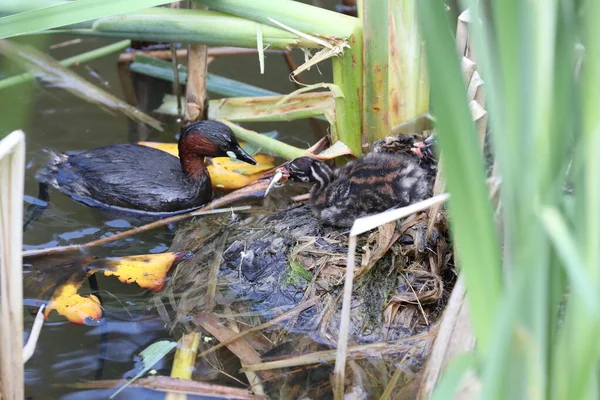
(65, 43)
(168, 384)
(371, 350)
(417, 299)
(182, 53)
(74, 247)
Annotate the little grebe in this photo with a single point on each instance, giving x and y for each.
(372, 184)
(135, 178)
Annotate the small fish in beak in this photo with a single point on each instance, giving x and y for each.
(279, 174)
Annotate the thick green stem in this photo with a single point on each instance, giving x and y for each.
(347, 74)
(376, 121)
(303, 17)
(190, 26)
(267, 144)
(70, 12)
(408, 82)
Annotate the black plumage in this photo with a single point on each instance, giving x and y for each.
(139, 178)
(372, 184)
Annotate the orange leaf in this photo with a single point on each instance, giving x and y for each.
(76, 308)
(147, 270)
(225, 173)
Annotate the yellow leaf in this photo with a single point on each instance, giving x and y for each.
(170, 148)
(76, 308)
(147, 270)
(264, 163)
(225, 173)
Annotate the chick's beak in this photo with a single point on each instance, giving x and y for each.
(240, 154)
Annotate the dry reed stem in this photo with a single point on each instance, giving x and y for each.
(242, 350)
(168, 384)
(66, 43)
(389, 389)
(255, 383)
(195, 96)
(184, 361)
(12, 171)
(294, 311)
(375, 350)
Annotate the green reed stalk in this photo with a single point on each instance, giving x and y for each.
(267, 144)
(68, 13)
(376, 101)
(347, 74)
(303, 17)
(408, 81)
(67, 62)
(193, 26)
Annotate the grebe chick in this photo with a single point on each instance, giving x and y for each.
(372, 184)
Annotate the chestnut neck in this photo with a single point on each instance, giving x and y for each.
(191, 156)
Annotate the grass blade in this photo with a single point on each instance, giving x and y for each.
(473, 226)
(68, 13)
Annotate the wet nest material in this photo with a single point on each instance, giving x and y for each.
(252, 268)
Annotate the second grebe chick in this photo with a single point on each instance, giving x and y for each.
(372, 184)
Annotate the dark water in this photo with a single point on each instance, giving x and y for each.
(69, 353)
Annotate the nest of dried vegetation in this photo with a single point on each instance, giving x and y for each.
(248, 269)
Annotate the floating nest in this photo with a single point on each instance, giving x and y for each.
(282, 272)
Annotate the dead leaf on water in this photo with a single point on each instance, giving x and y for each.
(149, 271)
(78, 309)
